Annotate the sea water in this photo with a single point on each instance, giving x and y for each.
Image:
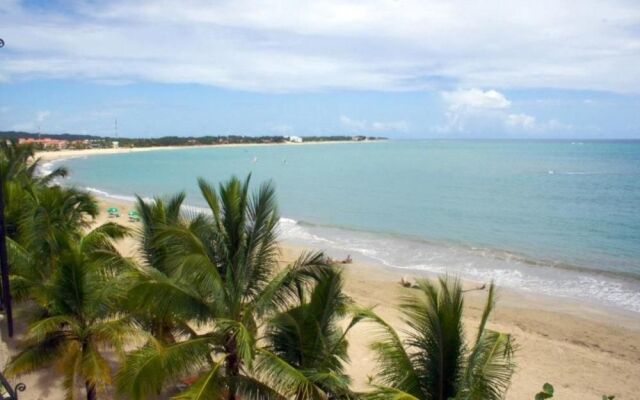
(554, 217)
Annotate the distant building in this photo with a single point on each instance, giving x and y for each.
(294, 139)
(115, 144)
(46, 143)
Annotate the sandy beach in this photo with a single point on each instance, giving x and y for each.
(72, 153)
(583, 351)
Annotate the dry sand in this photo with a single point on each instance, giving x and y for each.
(583, 351)
(71, 153)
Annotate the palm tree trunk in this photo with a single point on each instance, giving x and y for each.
(232, 365)
(91, 390)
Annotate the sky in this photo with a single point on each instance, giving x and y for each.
(394, 68)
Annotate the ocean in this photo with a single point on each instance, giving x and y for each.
(553, 217)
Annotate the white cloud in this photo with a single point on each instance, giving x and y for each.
(355, 125)
(476, 98)
(523, 121)
(474, 110)
(288, 45)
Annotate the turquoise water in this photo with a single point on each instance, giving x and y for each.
(556, 217)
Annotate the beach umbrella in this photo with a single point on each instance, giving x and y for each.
(112, 211)
(134, 216)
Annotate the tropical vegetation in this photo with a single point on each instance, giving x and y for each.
(206, 311)
(432, 359)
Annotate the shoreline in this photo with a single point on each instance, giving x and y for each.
(583, 351)
(570, 304)
(520, 298)
(569, 291)
(48, 156)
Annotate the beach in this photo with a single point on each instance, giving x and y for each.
(47, 156)
(583, 350)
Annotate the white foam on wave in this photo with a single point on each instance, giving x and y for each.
(44, 169)
(102, 193)
(476, 264)
(472, 263)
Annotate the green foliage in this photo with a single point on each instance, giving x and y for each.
(106, 141)
(307, 337)
(76, 314)
(220, 273)
(433, 361)
(546, 393)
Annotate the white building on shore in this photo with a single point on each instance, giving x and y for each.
(294, 139)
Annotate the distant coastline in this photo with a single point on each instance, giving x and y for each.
(66, 141)
(53, 155)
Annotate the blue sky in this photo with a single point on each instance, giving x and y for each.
(397, 68)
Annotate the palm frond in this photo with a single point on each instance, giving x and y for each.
(241, 335)
(250, 388)
(163, 295)
(488, 308)
(94, 368)
(211, 385)
(488, 372)
(114, 333)
(146, 370)
(395, 367)
(285, 378)
(42, 328)
(434, 319)
(388, 393)
(37, 355)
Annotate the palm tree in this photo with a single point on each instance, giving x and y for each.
(17, 173)
(156, 215)
(307, 337)
(19, 161)
(431, 360)
(221, 274)
(50, 217)
(20, 171)
(77, 314)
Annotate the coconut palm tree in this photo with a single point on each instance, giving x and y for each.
(77, 314)
(431, 359)
(20, 169)
(223, 276)
(19, 174)
(307, 337)
(156, 215)
(50, 217)
(19, 161)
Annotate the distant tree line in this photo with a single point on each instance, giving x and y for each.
(86, 141)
